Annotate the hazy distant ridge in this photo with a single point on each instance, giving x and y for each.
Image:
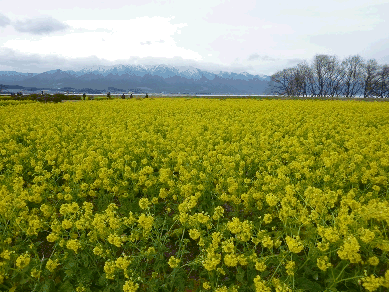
(153, 78)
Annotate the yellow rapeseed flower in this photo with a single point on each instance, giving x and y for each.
(98, 250)
(350, 250)
(260, 285)
(371, 283)
(294, 244)
(144, 203)
(206, 286)
(267, 218)
(323, 264)
(267, 242)
(173, 262)
(35, 273)
(74, 245)
(194, 234)
(130, 286)
(290, 265)
(218, 213)
(230, 260)
(52, 265)
(260, 266)
(146, 221)
(109, 269)
(23, 260)
(373, 261)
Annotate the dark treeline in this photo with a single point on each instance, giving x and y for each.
(327, 76)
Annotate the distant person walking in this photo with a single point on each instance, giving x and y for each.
(146, 96)
(123, 96)
(131, 95)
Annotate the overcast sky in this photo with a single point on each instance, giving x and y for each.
(259, 37)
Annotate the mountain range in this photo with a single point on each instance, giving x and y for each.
(140, 78)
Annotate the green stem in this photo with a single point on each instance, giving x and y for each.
(356, 277)
(191, 263)
(276, 269)
(179, 249)
(336, 280)
(303, 264)
(182, 237)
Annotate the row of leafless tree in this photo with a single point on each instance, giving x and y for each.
(327, 76)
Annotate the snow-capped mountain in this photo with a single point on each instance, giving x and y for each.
(164, 71)
(157, 78)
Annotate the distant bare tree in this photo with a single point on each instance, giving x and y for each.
(280, 81)
(335, 78)
(323, 66)
(318, 68)
(381, 88)
(353, 75)
(309, 78)
(370, 77)
(297, 82)
(327, 76)
(304, 76)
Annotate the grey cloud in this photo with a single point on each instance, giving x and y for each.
(161, 41)
(39, 26)
(256, 56)
(336, 42)
(4, 20)
(377, 11)
(15, 60)
(377, 50)
(294, 61)
(253, 57)
(383, 60)
(146, 43)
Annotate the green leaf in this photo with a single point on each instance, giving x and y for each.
(71, 264)
(86, 275)
(47, 286)
(102, 280)
(24, 281)
(316, 276)
(251, 274)
(66, 286)
(85, 260)
(308, 285)
(240, 275)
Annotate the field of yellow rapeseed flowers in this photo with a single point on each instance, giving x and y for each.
(194, 195)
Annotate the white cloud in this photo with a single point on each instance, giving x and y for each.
(4, 20)
(111, 39)
(40, 25)
(216, 34)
